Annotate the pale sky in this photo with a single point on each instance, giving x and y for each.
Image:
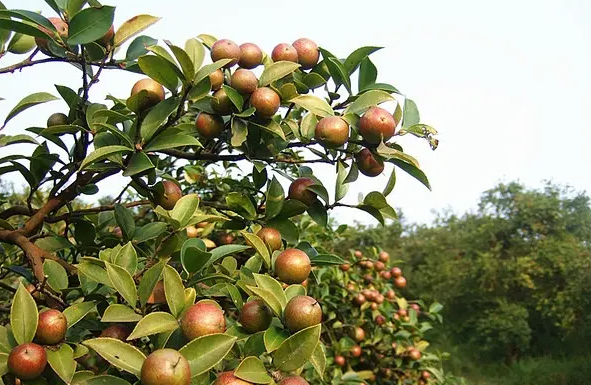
(506, 83)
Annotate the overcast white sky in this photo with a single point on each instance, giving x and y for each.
(506, 82)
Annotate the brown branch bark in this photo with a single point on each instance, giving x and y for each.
(237, 157)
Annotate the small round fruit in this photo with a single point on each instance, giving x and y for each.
(172, 193)
(266, 101)
(216, 78)
(380, 320)
(358, 334)
(396, 272)
(192, 232)
(166, 367)
(379, 266)
(308, 53)
(118, 331)
(369, 265)
(386, 275)
(358, 254)
(209, 244)
(356, 351)
(345, 267)
(374, 306)
(284, 52)
(61, 27)
(332, 131)
(57, 119)
(225, 239)
(340, 361)
(244, 81)
(402, 312)
(52, 327)
(154, 93)
(117, 232)
(415, 307)
(359, 299)
(294, 380)
(400, 282)
(209, 126)
(20, 44)
(27, 361)
(351, 287)
(271, 237)
(302, 312)
(368, 278)
(390, 294)
(202, 319)
(255, 316)
(221, 103)
(376, 125)
(380, 299)
(368, 164)
(251, 57)
(384, 256)
(293, 266)
(228, 378)
(425, 375)
(298, 190)
(107, 37)
(157, 295)
(225, 49)
(414, 354)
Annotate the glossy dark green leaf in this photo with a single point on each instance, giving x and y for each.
(23, 316)
(153, 323)
(90, 24)
(122, 355)
(339, 73)
(275, 199)
(205, 352)
(167, 141)
(28, 102)
(289, 231)
(368, 74)
(194, 255)
(253, 370)
(149, 280)
(241, 204)
(125, 220)
(297, 350)
(391, 183)
(161, 70)
(357, 56)
(413, 171)
(103, 153)
(139, 163)
(235, 97)
(148, 231)
(184, 60)
(277, 71)
(138, 47)
(157, 116)
(326, 260)
(411, 114)
(318, 213)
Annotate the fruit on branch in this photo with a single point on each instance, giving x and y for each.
(376, 125)
(308, 53)
(157, 295)
(228, 378)
(396, 272)
(358, 334)
(369, 164)
(293, 266)
(225, 239)
(345, 267)
(251, 56)
(355, 351)
(359, 299)
(414, 354)
(20, 44)
(379, 266)
(57, 119)
(52, 327)
(332, 131)
(301, 312)
(209, 126)
(192, 232)
(390, 294)
(117, 232)
(415, 307)
(358, 254)
(380, 320)
(154, 93)
(369, 265)
(298, 190)
(166, 367)
(209, 244)
(27, 361)
(225, 49)
(168, 198)
(271, 237)
(384, 256)
(107, 37)
(221, 102)
(402, 312)
(400, 282)
(293, 380)
(118, 331)
(266, 101)
(284, 52)
(386, 274)
(340, 361)
(425, 375)
(216, 78)
(62, 30)
(244, 81)
(203, 318)
(255, 316)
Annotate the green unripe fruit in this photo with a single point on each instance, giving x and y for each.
(57, 119)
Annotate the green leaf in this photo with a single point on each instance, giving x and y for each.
(326, 260)
(208, 40)
(196, 53)
(413, 171)
(391, 183)
(184, 209)
(241, 204)
(356, 57)
(3, 365)
(148, 231)
(373, 212)
(161, 70)
(139, 47)
(127, 258)
(294, 290)
(57, 277)
(184, 60)
(5, 345)
(149, 281)
(277, 71)
(153, 323)
(368, 73)
(235, 295)
(205, 352)
(122, 281)
(28, 102)
(6, 140)
(274, 337)
(122, 355)
(239, 132)
(297, 350)
(62, 362)
(394, 154)
(208, 69)
(104, 380)
(259, 246)
(103, 153)
(193, 255)
(318, 360)
(338, 72)
(157, 116)
(77, 312)
(23, 316)
(120, 313)
(125, 220)
(224, 250)
(94, 272)
(273, 286)
(341, 187)
(139, 163)
(275, 199)
(166, 141)
(318, 213)
(289, 231)
(367, 100)
(253, 370)
(132, 27)
(74, 6)
(411, 114)
(314, 80)
(308, 126)
(235, 97)
(269, 298)
(314, 104)
(90, 24)
(174, 291)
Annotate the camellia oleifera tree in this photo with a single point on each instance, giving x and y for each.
(197, 271)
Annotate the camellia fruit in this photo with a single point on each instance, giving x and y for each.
(396, 272)
(209, 126)
(368, 164)
(298, 190)
(301, 312)
(308, 53)
(225, 239)
(358, 334)
(271, 237)
(400, 282)
(293, 380)
(293, 266)
(27, 361)
(359, 299)
(216, 78)
(192, 232)
(414, 354)
(228, 378)
(244, 81)
(266, 101)
(225, 49)
(255, 316)
(119, 332)
(221, 103)
(52, 327)
(345, 267)
(172, 193)
(251, 56)
(166, 367)
(202, 319)
(340, 361)
(376, 125)
(355, 351)
(284, 52)
(332, 131)
(57, 119)
(384, 256)
(62, 30)
(154, 93)
(107, 37)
